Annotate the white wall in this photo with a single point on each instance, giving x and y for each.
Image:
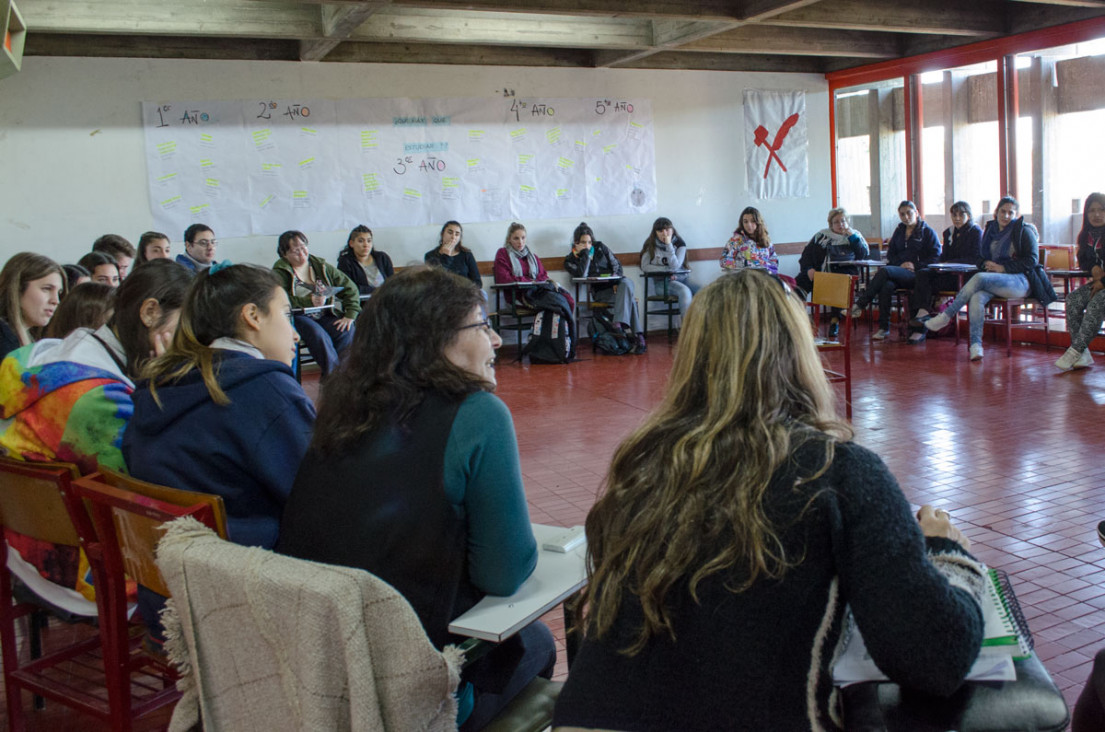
(72, 160)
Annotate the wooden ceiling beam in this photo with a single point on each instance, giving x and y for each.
(981, 18)
(799, 42)
(424, 53)
(425, 26)
(338, 23)
(716, 10)
(730, 62)
(172, 47)
(249, 18)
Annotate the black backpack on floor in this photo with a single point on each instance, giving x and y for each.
(607, 337)
(551, 339)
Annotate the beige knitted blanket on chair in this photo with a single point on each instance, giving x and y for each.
(269, 643)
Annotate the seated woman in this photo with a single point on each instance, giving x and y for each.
(31, 286)
(750, 245)
(1086, 305)
(311, 282)
(590, 258)
(413, 474)
(88, 305)
(152, 245)
(221, 411)
(913, 246)
(76, 275)
(454, 256)
(838, 243)
(365, 265)
(70, 400)
(514, 262)
(738, 524)
(962, 245)
(665, 251)
(102, 267)
(1010, 264)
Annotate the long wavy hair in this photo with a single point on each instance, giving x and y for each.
(685, 493)
(211, 310)
(648, 249)
(398, 357)
(19, 272)
(761, 237)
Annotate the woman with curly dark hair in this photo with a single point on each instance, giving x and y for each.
(413, 475)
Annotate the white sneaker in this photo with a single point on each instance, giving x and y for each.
(880, 334)
(857, 311)
(1068, 359)
(976, 350)
(937, 322)
(1072, 359)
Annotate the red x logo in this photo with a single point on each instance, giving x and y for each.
(761, 139)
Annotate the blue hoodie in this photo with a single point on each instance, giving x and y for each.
(248, 451)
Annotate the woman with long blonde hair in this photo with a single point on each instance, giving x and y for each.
(738, 522)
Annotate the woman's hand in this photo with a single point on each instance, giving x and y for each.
(810, 273)
(938, 523)
(318, 300)
(908, 265)
(343, 324)
(160, 340)
(993, 266)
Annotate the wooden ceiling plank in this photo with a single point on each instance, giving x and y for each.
(247, 18)
(799, 42)
(518, 31)
(407, 53)
(338, 23)
(938, 17)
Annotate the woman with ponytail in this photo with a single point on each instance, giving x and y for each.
(221, 411)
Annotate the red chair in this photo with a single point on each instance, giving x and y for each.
(108, 675)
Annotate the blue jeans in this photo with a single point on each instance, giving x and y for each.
(980, 290)
(324, 341)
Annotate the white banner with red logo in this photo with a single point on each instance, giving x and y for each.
(777, 143)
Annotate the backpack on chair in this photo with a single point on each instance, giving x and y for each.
(607, 337)
(550, 341)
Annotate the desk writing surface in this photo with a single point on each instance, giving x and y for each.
(556, 577)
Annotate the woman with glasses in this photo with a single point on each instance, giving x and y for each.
(738, 524)
(838, 243)
(413, 475)
(221, 411)
(1009, 261)
(313, 283)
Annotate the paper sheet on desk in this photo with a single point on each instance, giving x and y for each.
(856, 666)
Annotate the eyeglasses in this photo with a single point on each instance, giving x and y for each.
(206, 242)
(481, 324)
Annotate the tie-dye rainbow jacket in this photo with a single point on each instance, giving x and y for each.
(64, 400)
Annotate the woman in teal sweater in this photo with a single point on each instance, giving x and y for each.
(413, 475)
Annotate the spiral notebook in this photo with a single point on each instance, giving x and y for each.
(1005, 638)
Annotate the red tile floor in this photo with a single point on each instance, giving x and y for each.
(1005, 444)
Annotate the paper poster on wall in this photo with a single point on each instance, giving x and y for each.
(320, 165)
(292, 163)
(197, 166)
(776, 143)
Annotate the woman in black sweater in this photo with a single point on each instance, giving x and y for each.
(738, 522)
(366, 265)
